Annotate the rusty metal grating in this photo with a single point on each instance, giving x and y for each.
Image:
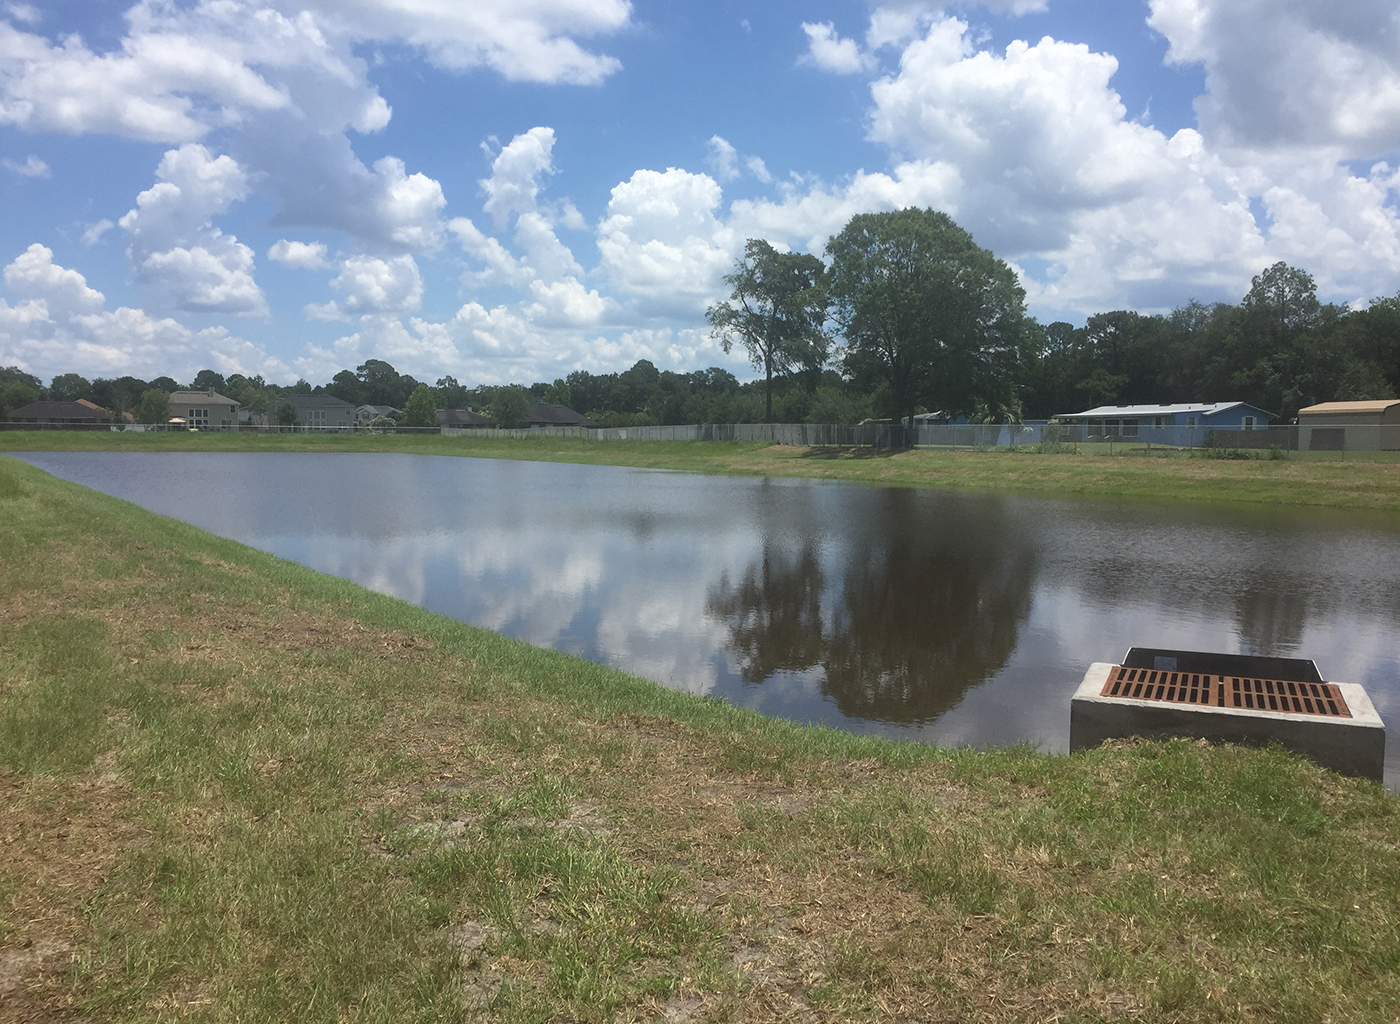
(1241, 693)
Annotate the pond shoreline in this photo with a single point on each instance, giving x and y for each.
(273, 789)
(1360, 485)
(941, 615)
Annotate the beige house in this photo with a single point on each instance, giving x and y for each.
(1350, 426)
(204, 410)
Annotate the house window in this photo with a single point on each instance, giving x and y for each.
(1190, 421)
(316, 417)
(1130, 428)
(1159, 421)
(197, 418)
(1247, 423)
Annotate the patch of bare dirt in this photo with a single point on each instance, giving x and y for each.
(58, 842)
(482, 975)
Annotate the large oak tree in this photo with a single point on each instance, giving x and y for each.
(927, 312)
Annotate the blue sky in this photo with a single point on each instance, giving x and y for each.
(514, 189)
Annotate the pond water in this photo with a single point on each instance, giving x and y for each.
(938, 615)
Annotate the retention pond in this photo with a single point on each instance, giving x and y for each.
(944, 616)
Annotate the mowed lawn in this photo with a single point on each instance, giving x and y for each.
(1095, 472)
(232, 789)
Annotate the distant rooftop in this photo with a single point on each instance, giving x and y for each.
(545, 414)
(314, 401)
(186, 396)
(1344, 407)
(462, 418)
(80, 410)
(1186, 408)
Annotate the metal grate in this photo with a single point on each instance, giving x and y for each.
(1235, 692)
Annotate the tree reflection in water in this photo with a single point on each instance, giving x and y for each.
(774, 613)
(929, 599)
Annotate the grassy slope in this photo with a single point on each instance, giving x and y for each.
(233, 789)
(1359, 485)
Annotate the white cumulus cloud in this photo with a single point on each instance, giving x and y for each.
(302, 255)
(34, 275)
(513, 191)
(61, 324)
(174, 246)
(1296, 72)
(531, 41)
(829, 51)
(662, 243)
(1031, 149)
(514, 184)
(172, 79)
(284, 85)
(370, 285)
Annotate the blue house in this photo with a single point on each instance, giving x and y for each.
(1131, 421)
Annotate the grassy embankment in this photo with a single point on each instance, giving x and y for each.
(233, 789)
(1373, 485)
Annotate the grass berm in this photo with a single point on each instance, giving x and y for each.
(233, 789)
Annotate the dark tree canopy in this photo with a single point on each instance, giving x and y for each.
(511, 407)
(450, 394)
(206, 379)
(421, 408)
(383, 385)
(69, 387)
(347, 387)
(776, 311)
(1283, 300)
(152, 407)
(927, 313)
(16, 394)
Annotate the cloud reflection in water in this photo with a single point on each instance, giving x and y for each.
(962, 618)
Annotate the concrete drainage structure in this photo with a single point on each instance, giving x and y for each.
(1230, 698)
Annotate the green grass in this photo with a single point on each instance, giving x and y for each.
(232, 789)
(1130, 474)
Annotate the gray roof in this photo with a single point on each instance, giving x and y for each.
(544, 414)
(317, 402)
(462, 418)
(195, 397)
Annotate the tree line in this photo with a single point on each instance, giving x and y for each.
(906, 315)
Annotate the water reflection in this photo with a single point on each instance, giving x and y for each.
(952, 617)
(1272, 621)
(774, 612)
(926, 606)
